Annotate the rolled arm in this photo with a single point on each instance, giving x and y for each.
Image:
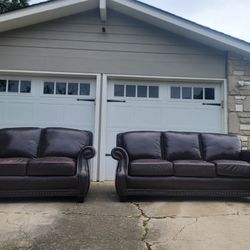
(87, 152)
(121, 156)
(245, 155)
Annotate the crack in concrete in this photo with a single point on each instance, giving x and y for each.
(145, 222)
(183, 228)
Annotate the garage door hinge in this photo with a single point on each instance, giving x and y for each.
(214, 104)
(85, 100)
(113, 100)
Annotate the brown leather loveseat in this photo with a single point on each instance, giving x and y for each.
(44, 162)
(181, 164)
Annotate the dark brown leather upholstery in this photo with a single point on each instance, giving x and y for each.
(245, 155)
(61, 170)
(142, 145)
(181, 146)
(51, 166)
(19, 142)
(203, 165)
(194, 168)
(63, 142)
(218, 147)
(150, 167)
(233, 168)
(13, 166)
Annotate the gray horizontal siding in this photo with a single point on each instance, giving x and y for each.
(76, 44)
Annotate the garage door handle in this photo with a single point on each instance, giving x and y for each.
(85, 100)
(212, 104)
(107, 154)
(110, 100)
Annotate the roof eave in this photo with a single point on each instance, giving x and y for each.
(44, 12)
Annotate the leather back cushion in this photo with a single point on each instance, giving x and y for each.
(141, 145)
(220, 147)
(19, 142)
(63, 142)
(181, 146)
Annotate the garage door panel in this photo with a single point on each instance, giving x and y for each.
(2, 111)
(184, 119)
(138, 116)
(51, 113)
(72, 115)
(19, 112)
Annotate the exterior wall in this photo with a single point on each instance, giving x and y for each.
(239, 98)
(77, 44)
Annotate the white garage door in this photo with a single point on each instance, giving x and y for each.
(47, 102)
(161, 106)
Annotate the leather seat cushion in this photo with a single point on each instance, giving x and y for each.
(194, 168)
(142, 145)
(13, 166)
(181, 146)
(233, 168)
(220, 147)
(150, 167)
(51, 166)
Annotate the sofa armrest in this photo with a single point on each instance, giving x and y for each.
(87, 152)
(82, 173)
(121, 156)
(245, 155)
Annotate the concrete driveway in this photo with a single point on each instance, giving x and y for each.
(104, 223)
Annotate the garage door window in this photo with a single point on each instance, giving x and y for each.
(25, 87)
(209, 93)
(186, 93)
(48, 88)
(131, 91)
(140, 91)
(72, 88)
(119, 90)
(175, 92)
(84, 89)
(153, 91)
(66, 88)
(198, 93)
(3, 85)
(192, 93)
(15, 86)
(61, 88)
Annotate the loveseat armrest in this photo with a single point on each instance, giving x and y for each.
(245, 155)
(121, 155)
(84, 155)
(87, 152)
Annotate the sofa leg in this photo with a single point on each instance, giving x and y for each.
(80, 199)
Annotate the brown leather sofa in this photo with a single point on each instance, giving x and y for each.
(37, 162)
(181, 164)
